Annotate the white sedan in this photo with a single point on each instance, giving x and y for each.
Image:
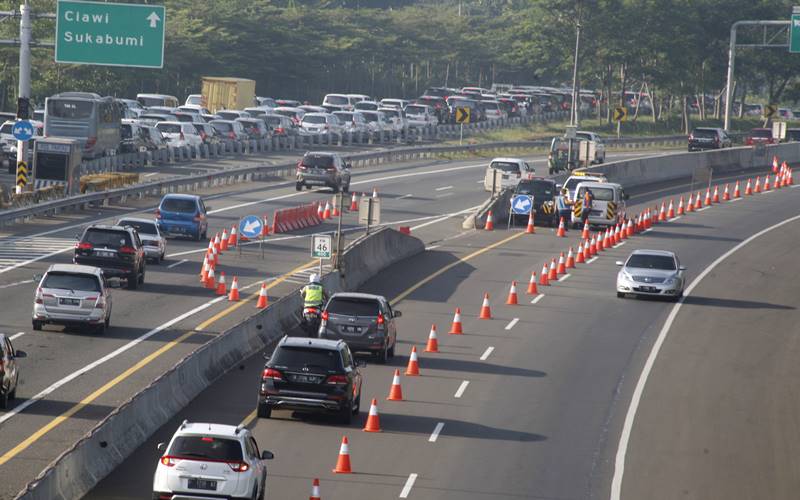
(656, 273)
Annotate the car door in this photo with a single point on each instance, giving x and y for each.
(391, 323)
(255, 459)
(351, 369)
(203, 214)
(7, 382)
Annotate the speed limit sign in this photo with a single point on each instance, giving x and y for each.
(321, 245)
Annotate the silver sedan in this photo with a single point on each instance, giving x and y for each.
(155, 244)
(656, 273)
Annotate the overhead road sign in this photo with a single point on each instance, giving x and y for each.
(620, 114)
(794, 34)
(251, 226)
(321, 246)
(463, 115)
(22, 130)
(110, 34)
(521, 204)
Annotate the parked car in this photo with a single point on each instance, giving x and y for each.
(155, 245)
(188, 117)
(255, 128)
(134, 137)
(229, 114)
(74, 295)
(280, 125)
(421, 115)
(709, 138)
(759, 136)
(295, 114)
(351, 121)
(179, 134)
(311, 375)
(366, 322)
(366, 106)
(9, 371)
(205, 460)
(318, 123)
(323, 169)
(208, 133)
(394, 103)
(182, 215)
(231, 130)
(656, 273)
(117, 250)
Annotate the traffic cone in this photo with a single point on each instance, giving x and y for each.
(791, 180)
(671, 210)
(766, 183)
(531, 229)
(757, 188)
(748, 190)
(596, 249)
(343, 462)
(629, 229)
(373, 419)
(570, 259)
(543, 281)
(326, 214)
(715, 198)
(616, 237)
(315, 490)
(204, 270)
(221, 290)
(561, 268)
(736, 190)
(774, 164)
(335, 212)
(707, 201)
(561, 231)
(456, 328)
(552, 274)
(532, 289)
(353, 203)
(320, 212)
(489, 222)
(580, 258)
(486, 311)
(607, 240)
(681, 209)
(593, 246)
(690, 203)
(215, 255)
(217, 243)
(698, 204)
(211, 283)
(262, 297)
(433, 341)
(223, 242)
(233, 296)
(413, 363)
(232, 239)
(395, 392)
(662, 215)
(512, 295)
(585, 233)
(375, 193)
(726, 195)
(778, 182)
(622, 233)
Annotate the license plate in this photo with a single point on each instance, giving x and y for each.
(100, 253)
(352, 329)
(650, 289)
(202, 484)
(69, 302)
(306, 379)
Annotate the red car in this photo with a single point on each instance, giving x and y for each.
(760, 136)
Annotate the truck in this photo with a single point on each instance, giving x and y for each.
(220, 93)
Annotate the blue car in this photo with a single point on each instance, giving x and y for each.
(182, 215)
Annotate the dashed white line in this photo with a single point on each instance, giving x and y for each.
(176, 264)
(620, 244)
(537, 298)
(674, 218)
(592, 260)
(435, 433)
(461, 389)
(793, 187)
(16, 336)
(563, 278)
(511, 323)
(151, 174)
(408, 486)
(487, 353)
(432, 247)
(443, 188)
(409, 195)
(9, 285)
(738, 199)
(647, 230)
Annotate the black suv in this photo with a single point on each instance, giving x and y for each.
(116, 250)
(311, 375)
(9, 371)
(708, 138)
(544, 193)
(363, 320)
(323, 169)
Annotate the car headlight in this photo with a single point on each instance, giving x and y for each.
(626, 276)
(669, 281)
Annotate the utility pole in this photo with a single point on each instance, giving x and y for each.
(573, 114)
(24, 79)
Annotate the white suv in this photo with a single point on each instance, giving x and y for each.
(211, 461)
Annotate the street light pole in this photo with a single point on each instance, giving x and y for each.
(573, 114)
(24, 77)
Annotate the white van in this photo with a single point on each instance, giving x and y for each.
(608, 205)
(343, 102)
(505, 173)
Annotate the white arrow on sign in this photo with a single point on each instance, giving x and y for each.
(154, 19)
(522, 204)
(251, 226)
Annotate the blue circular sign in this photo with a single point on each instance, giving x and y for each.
(22, 130)
(521, 204)
(250, 226)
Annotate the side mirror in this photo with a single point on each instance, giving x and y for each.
(397, 314)
(682, 268)
(20, 354)
(626, 196)
(267, 455)
(620, 263)
(161, 447)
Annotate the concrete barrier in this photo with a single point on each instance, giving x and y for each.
(76, 471)
(499, 206)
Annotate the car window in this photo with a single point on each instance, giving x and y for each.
(179, 205)
(704, 133)
(107, 238)
(125, 131)
(317, 161)
(222, 127)
(761, 132)
(415, 110)
(545, 190)
(661, 262)
(506, 166)
(254, 446)
(347, 359)
(71, 281)
(337, 99)
(313, 119)
(302, 356)
(206, 447)
(169, 128)
(139, 226)
(350, 306)
(599, 194)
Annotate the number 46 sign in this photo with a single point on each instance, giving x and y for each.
(321, 245)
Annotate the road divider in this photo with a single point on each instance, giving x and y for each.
(292, 219)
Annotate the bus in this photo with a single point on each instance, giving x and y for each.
(93, 120)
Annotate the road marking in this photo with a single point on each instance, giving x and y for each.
(151, 174)
(738, 199)
(177, 263)
(408, 486)
(537, 298)
(436, 431)
(511, 323)
(461, 389)
(444, 195)
(443, 188)
(248, 419)
(481, 182)
(795, 186)
(674, 218)
(487, 353)
(563, 278)
(647, 230)
(409, 195)
(701, 209)
(592, 259)
(16, 336)
(23, 282)
(624, 439)
(620, 244)
(432, 247)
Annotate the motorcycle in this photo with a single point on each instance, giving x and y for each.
(310, 321)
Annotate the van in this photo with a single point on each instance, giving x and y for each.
(342, 102)
(608, 205)
(150, 100)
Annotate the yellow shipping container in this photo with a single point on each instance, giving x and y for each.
(228, 93)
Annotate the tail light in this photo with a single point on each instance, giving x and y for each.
(90, 142)
(198, 218)
(271, 373)
(280, 130)
(100, 304)
(203, 135)
(158, 213)
(691, 137)
(325, 315)
(336, 380)
(231, 135)
(39, 297)
(83, 245)
(381, 321)
(169, 461)
(127, 250)
(311, 309)
(239, 466)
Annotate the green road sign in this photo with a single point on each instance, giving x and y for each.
(794, 34)
(110, 34)
(321, 245)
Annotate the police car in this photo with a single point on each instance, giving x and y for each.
(608, 203)
(581, 176)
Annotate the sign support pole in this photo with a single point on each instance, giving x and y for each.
(369, 213)
(238, 240)
(24, 78)
(338, 259)
(461, 135)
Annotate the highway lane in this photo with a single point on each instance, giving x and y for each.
(544, 407)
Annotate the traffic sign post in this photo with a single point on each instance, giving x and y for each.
(252, 227)
(463, 115)
(620, 114)
(369, 211)
(22, 175)
(321, 248)
(770, 110)
(110, 34)
(23, 131)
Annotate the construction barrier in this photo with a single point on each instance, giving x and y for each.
(292, 219)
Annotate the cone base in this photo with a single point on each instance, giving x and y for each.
(341, 471)
(371, 430)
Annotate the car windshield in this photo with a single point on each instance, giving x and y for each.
(336, 99)
(302, 356)
(125, 131)
(107, 238)
(415, 110)
(228, 115)
(273, 120)
(371, 117)
(599, 194)
(222, 127)
(169, 128)
(371, 106)
(583, 136)
(343, 116)
(313, 119)
(537, 189)
(65, 108)
(194, 99)
(208, 447)
(704, 133)
(394, 113)
(506, 166)
(179, 205)
(71, 281)
(761, 132)
(353, 307)
(317, 161)
(139, 226)
(648, 261)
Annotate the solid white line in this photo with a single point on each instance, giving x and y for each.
(443, 188)
(624, 439)
(592, 259)
(445, 217)
(151, 174)
(176, 264)
(796, 186)
(619, 244)
(481, 182)
(444, 195)
(436, 431)
(674, 218)
(537, 298)
(701, 209)
(511, 323)
(23, 282)
(564, 277)
(461, 389)
(735, 199)
(647, 230)
(487, 353)
(409, 195)
(16, 336)
(408, 486)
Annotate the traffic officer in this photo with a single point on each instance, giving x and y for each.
(313, 294)
(564, 206)
(588, 198)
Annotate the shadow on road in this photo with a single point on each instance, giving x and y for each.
(733, 303)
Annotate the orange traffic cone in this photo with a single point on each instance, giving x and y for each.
(662, 215)
(489, 222)
(214, 255)
(681, 209)
(512, 295)
(326, 214)
(736, 191)
(532, 289)
(395, 392)
(726, 194)
(629, 229)
(335, 212)
(221, 290)
(211, 283)
(774, 164)
(671, 210)
(698, 204)
(748, 190)
(353, 203)
(343, 462)
(456, 329)
(433, 341)
(593, 246)
(599, 247)
(562, 232)
(320, 211)
(373, 419)
(570, 259)
(585, 233)
(581, 257)
(486, 312)
(777, 182)
(413, 363)
(315, 490)
(623, 234)
(223, 242)
(217, 243)
(543, 280)
(757, 188)
(262, 297)
(766, 182)
(552, 273)
(715, 198)
(233, 296)
(232, 239)
(561, 268)
(531, 229)
(204, 270)
(707, 201)
(608, 240)
(690, 203)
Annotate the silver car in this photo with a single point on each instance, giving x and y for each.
(656, 273)
(364, 321)
(72, 295)
(155, 244)
(323, 169)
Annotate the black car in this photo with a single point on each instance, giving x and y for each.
(322, 168)
(311, 375)
(365, 321)
(544, 192)
(116, 250)
(708, 138)
(9, 371)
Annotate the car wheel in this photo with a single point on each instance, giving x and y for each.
(4, 401)
(141, 276)
(298, 187)
(263, 489)
(346, 414)
(132, 281)
(37, 325)
(620, 295)
(264, 411)
(382, 355)
(100, 329)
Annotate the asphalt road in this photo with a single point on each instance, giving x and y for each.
(528, 405)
